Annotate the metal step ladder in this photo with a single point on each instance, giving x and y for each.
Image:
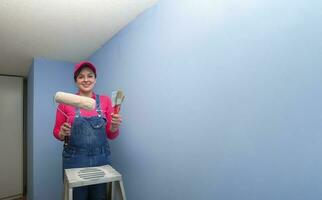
(78, 177)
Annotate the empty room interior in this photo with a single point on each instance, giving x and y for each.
(160, 100)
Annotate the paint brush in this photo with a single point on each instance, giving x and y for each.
(117, 100)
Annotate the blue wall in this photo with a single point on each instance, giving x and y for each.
(46, 77)
(223, 100)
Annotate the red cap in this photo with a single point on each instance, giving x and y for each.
(82, 64)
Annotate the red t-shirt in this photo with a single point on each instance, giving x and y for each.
(70, 111)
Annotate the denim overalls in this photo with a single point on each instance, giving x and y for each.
(88, 147)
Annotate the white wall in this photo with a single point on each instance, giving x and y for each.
(11, 136)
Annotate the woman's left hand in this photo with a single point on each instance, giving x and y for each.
(116, 122)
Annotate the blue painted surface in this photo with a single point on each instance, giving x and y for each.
(223, 100)
(44, 151)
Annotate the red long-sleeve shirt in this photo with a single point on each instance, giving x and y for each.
(70, 111)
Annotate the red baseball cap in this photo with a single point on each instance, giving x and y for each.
(83, 64)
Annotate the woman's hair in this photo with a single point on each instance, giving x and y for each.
(80, 69)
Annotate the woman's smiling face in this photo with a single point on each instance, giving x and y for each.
(86, 80)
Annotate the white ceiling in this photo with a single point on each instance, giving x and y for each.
(69, 30)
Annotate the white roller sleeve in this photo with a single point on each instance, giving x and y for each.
(75, 100)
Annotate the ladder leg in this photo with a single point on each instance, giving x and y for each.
(70, 194)
(112, 190)
(65, 189)
(65, 193)
(122, 190)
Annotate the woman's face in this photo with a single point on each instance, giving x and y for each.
(86, 80)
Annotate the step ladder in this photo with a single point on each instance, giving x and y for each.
(77, 177)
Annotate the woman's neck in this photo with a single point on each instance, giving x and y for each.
(86, 94)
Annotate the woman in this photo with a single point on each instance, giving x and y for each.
(87, 131)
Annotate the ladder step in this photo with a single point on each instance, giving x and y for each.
(90, 176)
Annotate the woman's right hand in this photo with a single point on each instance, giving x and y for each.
(65, 129)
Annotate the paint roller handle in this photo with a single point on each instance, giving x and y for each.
(66, 138)
(65, 132)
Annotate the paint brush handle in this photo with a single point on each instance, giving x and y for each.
(66, 138)
(117, 109)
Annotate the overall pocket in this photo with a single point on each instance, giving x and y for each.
(97, 123)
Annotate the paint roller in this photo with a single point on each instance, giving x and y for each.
(76, 101)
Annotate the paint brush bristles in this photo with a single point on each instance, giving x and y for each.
(119, 97)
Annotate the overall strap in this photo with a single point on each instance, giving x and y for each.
(77, 112)
(98, 105)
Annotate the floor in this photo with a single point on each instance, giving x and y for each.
(23, 198)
